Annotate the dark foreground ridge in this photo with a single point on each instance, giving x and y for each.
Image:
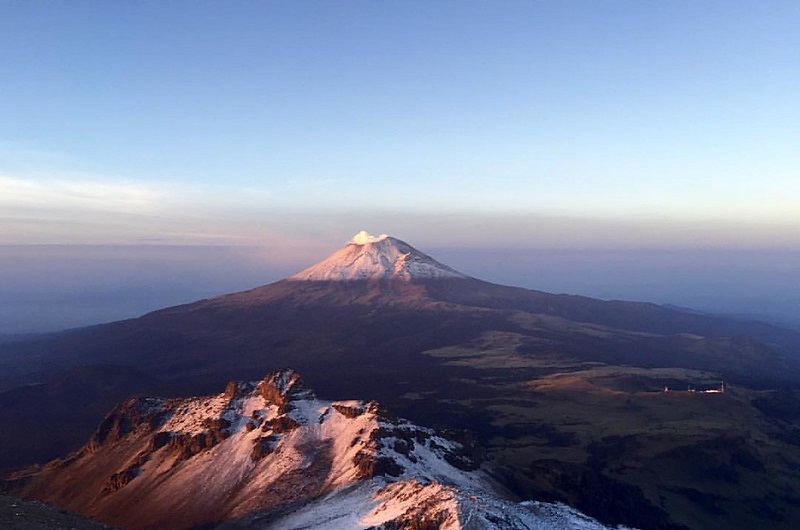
(34, 515)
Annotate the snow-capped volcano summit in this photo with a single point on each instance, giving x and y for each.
(383, 257)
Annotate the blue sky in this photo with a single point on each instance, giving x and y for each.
(292, 125)
(676, 111)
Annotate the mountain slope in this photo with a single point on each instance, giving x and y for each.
(383, 295)
(257, 449)
(411, 504)
(376, 258)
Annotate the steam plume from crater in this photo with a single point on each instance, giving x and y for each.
(364, 237)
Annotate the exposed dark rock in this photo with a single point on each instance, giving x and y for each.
(263, 446)
(124, 418)
(403, 446)
(159, 440)
(188, 445)
(354, 411)
(381, 433)
(120, 479)
(371, 465)
(114, 426)
(427, 515)
(467, 454)
(420, 436)
(219, 427)
(432, 521)
(237, 389)
(281, 386)
(61, 462)
(283, 424)
(230, 389)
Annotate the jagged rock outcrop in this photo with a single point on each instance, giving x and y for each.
(355, 409)
(254, 446)
(281, 387)
(253, 451)
(134, 413)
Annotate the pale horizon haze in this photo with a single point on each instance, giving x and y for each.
(153, 153)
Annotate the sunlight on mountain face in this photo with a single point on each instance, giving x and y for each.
(377, 258)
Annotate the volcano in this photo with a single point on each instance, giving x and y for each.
(377, 258)
(565, 392)
(373, 307)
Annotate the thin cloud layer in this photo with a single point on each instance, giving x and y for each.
(92, 210)
(79, 195)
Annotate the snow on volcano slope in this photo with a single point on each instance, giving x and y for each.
(383, 257)
(414, 504)
(269, 454)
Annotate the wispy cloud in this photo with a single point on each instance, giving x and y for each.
(80, 208)
(81, 194)
(90, 209)
(77, 208)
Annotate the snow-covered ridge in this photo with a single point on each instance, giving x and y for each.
(410, 504)
(269, 454)
(383, 257)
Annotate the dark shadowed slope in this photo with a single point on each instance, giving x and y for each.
(18, 514)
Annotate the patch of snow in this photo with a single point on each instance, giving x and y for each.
(378, 502)
(343, 508)
(308, 411)
(350, 403)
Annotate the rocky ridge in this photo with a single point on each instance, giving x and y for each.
(269, 454)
